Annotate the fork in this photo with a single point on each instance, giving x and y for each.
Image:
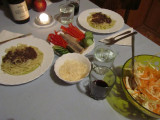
(113, 38)
(111, 41)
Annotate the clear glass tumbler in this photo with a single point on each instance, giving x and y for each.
(104, 55)
(101, 83)
(66, 13)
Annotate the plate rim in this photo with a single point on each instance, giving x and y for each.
(97, 30)
(48, 53)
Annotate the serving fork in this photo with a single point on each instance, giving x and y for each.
(132, 81)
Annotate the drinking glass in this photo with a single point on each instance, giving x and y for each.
(101, 83)
(104, 55)
(66, 13)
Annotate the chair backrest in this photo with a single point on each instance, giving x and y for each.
(118, 4)
(130, 4)
(126, 5)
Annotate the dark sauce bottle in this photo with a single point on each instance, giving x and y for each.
(98, 89)
(76, 6)
(19, 11)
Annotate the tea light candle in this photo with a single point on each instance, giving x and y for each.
(44, 18)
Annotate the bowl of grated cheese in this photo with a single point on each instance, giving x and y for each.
(72, 67)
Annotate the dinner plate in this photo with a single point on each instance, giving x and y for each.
(82, 19)
(48, 57)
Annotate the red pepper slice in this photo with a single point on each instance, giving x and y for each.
(57, 40)
(73, 31)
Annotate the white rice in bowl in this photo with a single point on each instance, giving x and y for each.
(72, 67)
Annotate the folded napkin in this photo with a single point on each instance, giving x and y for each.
(125, 41)
(5, 35)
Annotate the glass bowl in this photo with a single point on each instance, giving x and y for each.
(153, 60)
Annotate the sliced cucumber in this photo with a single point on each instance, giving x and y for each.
(60, 50)
(88, 39)
(88, 35)
(88, 42)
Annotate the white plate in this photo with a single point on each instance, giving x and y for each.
(87, 50)
(82, 19)
(42, 45)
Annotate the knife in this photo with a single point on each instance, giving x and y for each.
(21, 36)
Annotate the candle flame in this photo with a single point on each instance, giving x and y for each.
(44, 18)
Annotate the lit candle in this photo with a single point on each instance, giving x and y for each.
(44, 18)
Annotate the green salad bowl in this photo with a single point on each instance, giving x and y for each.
(144, 59)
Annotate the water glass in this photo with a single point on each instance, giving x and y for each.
(104, 55)
(66, 13)
(101, 83)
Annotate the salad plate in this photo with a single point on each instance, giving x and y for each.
(71, 40)
(48, 56)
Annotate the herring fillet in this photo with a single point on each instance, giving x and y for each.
(72, 43)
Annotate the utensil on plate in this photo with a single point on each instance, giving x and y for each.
(113, 38)
(111, 42)
(21, 36)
